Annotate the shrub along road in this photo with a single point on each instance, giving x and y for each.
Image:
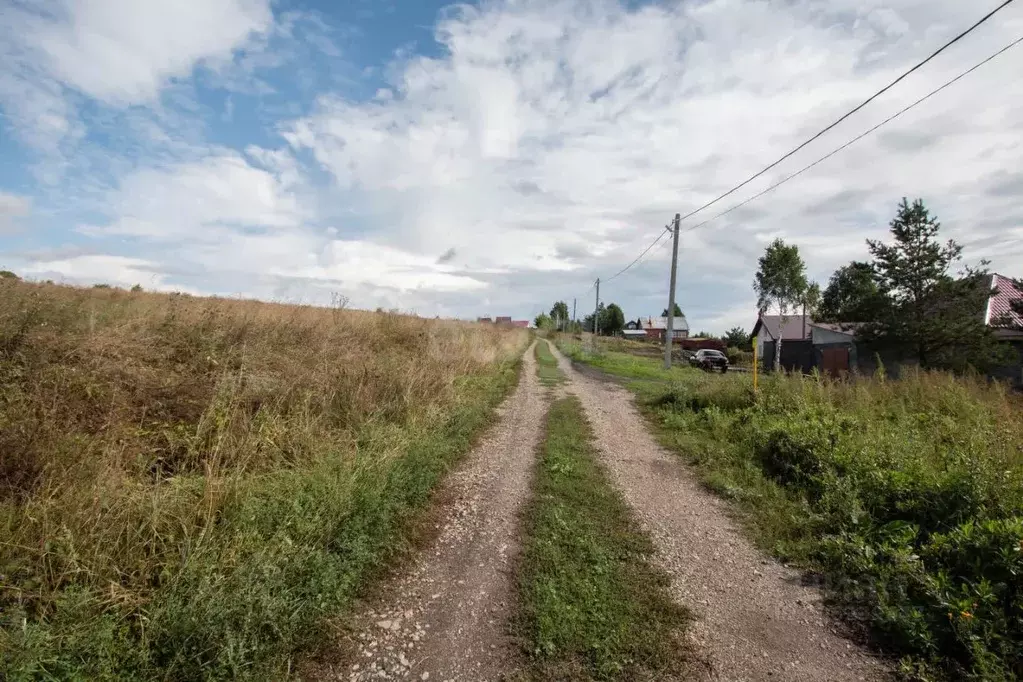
(755, 621)
(447, 617)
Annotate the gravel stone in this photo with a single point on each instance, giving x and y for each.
(755, 621)
(447, 617)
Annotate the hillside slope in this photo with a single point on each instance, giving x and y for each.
(188, 486)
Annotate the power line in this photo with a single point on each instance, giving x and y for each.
(861, 135)
(638, 258)
(850, 113)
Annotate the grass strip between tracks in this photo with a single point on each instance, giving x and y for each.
(547, 365)
(592, 604)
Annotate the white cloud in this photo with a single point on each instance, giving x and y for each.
(117, 52)
(125, 51)
(564, 134)
(12, 207)
(120, 271)
(544, 145)
(198, 200)
(220, 214)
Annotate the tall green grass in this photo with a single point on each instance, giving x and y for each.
(191, 487)
(906, 497)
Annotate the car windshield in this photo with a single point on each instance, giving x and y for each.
(713, 353)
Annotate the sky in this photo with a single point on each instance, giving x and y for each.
(490, 158)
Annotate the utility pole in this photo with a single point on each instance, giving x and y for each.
(573, 310)
(596, 316)
(671, 293)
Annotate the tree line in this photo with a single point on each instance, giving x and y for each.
(915, 296)
(612, 321)
(610, 317)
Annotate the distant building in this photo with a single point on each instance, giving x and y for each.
(655, 327)
(506, 321)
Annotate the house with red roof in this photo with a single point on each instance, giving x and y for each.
(1006, 323)
(999, 315)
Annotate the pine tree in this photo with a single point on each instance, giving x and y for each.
(927, 312)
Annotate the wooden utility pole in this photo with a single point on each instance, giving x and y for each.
(669, 323)
(596, 316)
(573, 310)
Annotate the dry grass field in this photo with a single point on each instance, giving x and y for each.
(189, 487)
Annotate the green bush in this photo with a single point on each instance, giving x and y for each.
(906, 496)
(741, 358)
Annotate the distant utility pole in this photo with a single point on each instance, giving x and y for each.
(671, 293)
(596, 316)
(573, 311)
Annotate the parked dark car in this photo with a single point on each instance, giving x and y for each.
(710, 360)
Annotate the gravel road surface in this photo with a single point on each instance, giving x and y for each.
(447, 617)
(755, 621)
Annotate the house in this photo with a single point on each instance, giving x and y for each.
(655, 327)
(502, 320)
(824, 333)
(999, 315)
(484, 319)
(634, 334)
(632, 325)
(834, 347)
(1007, 326)
(521, 324)
(767, 329)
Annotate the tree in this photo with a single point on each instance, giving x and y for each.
(559, 312)
(736, 337)
(588, 320)
(926, 311)
(136, 288)
(612, 320)
(543, 321)
(678, 312)
(852, 295)
(780, 282)
(7, 274)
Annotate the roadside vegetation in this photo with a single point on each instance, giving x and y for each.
(190, 487)
(592, 605)
(905, 497)
(625, 362)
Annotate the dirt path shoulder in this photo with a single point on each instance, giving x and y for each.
(755, 620)
(446, 617)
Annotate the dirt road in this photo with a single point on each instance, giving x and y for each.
(755, 621)
(447, 617)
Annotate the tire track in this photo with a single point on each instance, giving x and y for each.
(755, 621)
(447, 617)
